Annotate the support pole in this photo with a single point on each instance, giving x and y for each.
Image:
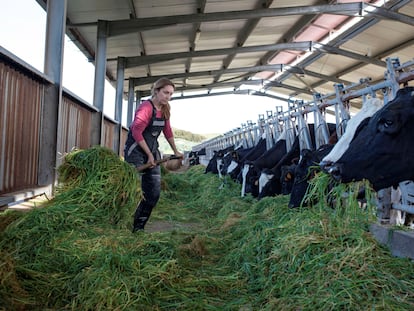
(99, 86)
(55, 34)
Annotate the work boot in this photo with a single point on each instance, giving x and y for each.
(139, 224)
(137, 229)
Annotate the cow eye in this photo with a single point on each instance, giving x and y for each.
(389, 125)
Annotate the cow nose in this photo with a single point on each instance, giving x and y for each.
(325, 165)
(336, 171)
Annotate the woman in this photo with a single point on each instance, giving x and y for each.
(151, 117)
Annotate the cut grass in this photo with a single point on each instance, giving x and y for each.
(77, 253)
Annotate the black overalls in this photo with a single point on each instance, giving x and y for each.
(150, 178)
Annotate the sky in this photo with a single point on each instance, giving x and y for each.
(23, 31)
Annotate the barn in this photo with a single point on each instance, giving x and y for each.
(320, 61)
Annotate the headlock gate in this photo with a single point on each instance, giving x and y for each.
(294, 121)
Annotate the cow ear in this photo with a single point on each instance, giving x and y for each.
(305, 153)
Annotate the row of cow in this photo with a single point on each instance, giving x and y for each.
(376, 145)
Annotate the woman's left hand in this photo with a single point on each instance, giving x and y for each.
(179, 154)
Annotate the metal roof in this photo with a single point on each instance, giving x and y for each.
(290, 49)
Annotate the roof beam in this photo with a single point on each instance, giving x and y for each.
(362, 58)
(239, 92)
(289, 87)
(237, 84)
(195, 36)
(137, 81)
(348, 35)
(244, 34)
(383, 54)
(388, 14)
(136, 61)
(325, 78)
(133, 15)
(150, 59)
(146, 80)
(121, 27)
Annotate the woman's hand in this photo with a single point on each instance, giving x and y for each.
(179, 154)
(151, 160)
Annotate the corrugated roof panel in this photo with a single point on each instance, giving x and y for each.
(376, 39)
(229, 5)
(172, 39)
(124, 46)
(369, 71)
(80, 11)
(271, 30)
(157, 8)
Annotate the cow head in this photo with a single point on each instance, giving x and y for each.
(287, 177)
(369, 108)
(305, 170)
(382, 150)
(250, 179)
(269, 184)
(303, 173)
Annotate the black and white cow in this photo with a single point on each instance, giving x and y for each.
(237, 158)
(270, 179)
(194, 156)
(252, 169)
(368, 109)
(310, 160)
(307, 160)
(287, 177)
(256, 152)
(382, 150)
(305, 170)
(215, 163)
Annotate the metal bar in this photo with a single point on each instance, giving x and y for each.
(135, 61)
(145, 80)
(121, 27)
(403, 207)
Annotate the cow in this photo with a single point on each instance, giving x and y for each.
(214, 165)
(310, 160)
(269, 180)
(194, 156)
(258, 150)
(305, 170)
(369, 107)
(237, 158)
(381, 150)
(287, 177)
(233, 162)
(253, 168)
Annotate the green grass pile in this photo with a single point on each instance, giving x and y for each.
(239, 253)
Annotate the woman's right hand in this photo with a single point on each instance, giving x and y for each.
(151, 160)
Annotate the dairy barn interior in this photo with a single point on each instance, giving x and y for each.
(321, 58)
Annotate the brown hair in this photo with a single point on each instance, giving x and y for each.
(159, 84)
